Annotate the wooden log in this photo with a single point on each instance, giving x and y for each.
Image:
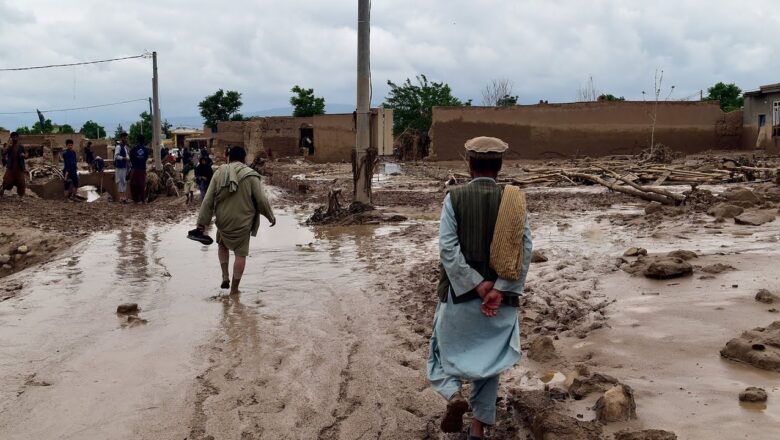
(644, 195)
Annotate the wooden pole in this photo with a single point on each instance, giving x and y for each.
(363, 162)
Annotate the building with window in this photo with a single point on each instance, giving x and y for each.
(761, 118)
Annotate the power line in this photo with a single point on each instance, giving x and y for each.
(77, 108)
(12, 69)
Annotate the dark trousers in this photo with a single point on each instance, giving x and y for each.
(138, 185)
(14, 178)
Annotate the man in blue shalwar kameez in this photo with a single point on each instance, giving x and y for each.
(476, 333)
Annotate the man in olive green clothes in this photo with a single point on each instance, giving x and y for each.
(236, 197)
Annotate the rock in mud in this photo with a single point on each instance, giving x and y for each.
(542, 349)
(616, 405)
(741, 195)
(725, 210)
(23, 249)
(647, 434)
(539, 413)
(538, 257)
(753, 394)
(665, 268)
(634, 252)
(4, 259)
(596, 382)
(7, 267)
(127, 308)
(766, 297)
(754, 218)
(133, 320)
(683, 255)
(717, 268)
(759, 347)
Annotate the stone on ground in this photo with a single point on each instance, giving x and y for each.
(725, 210)
(665, 268)
(766, 296)
(683, 255)
(596, 382)
(538, 256)
(754, 218)
(634, 252)
(542, 349)
(741, 195)
(717, 268)
(616, 405)
(127, 308)
(647, 434)
(759, 347)
(753, 394)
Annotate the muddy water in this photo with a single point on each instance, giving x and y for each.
(306, 351)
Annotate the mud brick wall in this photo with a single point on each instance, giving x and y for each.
(334, 138)
(586, 129)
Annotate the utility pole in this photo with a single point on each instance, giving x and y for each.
(155, 116)
(363, 164)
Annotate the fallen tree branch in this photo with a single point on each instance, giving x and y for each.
(632, 191)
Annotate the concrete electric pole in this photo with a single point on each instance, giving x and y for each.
(155, 116)
(364, 161)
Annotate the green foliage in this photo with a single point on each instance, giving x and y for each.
(144, 127)
(238, 117)
(166, 128)
(23, 130)
(506, 101)
(220, 107)
(610, 97)
(65, 129)
(413, 104)
(305, 103)
(729, 95)
(118, 132)
(93, 130)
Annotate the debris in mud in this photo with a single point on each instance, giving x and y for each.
(647, 434)
(542, 349)
(538, 411)
(759, 347)
(581, 387)
(683, 255)
(725, 210)
(23, 249)
(634, 252)
(717, 268)
(766, 296)
(662, 268)
(616, 405)
(133, 321)
(356, 214)
(754, 218)
(740, 196)
(4, 259)
(31, 382)
(753, 394)
(127, 308)
(538, 256)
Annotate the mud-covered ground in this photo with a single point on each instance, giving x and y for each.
(328, 339)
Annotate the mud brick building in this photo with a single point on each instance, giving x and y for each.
(587, 128)
(332, 136)
(761, 118)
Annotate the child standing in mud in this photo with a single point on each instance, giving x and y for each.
(476, 333)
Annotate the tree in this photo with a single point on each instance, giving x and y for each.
(413, 104)
(507, 101)
(498, 93)
(23, 130)
(118, 132)
(93, 130)
(142, 127)
(657, 89)
(220, 107)
(45, 128)
(610, 97)
(65, 129)
(587, 93)
(305, 103)
(729, 95)
(166, 128)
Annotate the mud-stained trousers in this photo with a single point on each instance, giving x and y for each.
(482, 397)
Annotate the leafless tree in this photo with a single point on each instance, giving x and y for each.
(495, 91)
(588, 93)
(658, 81)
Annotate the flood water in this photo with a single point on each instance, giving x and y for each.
(71, 368)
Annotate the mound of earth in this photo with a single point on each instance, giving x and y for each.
(647, 434)
(616, 405)
(753, 394)
(759, 347)
(754, 218)
(596, 382)
(539, 413)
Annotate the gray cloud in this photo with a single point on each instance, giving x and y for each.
(263, 48)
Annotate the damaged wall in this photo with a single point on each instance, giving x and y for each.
(586, 129)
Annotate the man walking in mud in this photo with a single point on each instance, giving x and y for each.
(138, 157)
(13, 159)
(237, 199)
(485, 250)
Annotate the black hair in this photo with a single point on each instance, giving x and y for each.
(89, 143)
(237, 154)
(486, 166)
(14, 134)
(69, 142)
(140, 139)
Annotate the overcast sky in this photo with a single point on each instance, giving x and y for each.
(548, 48)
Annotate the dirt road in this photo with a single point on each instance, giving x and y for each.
(307, 351)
